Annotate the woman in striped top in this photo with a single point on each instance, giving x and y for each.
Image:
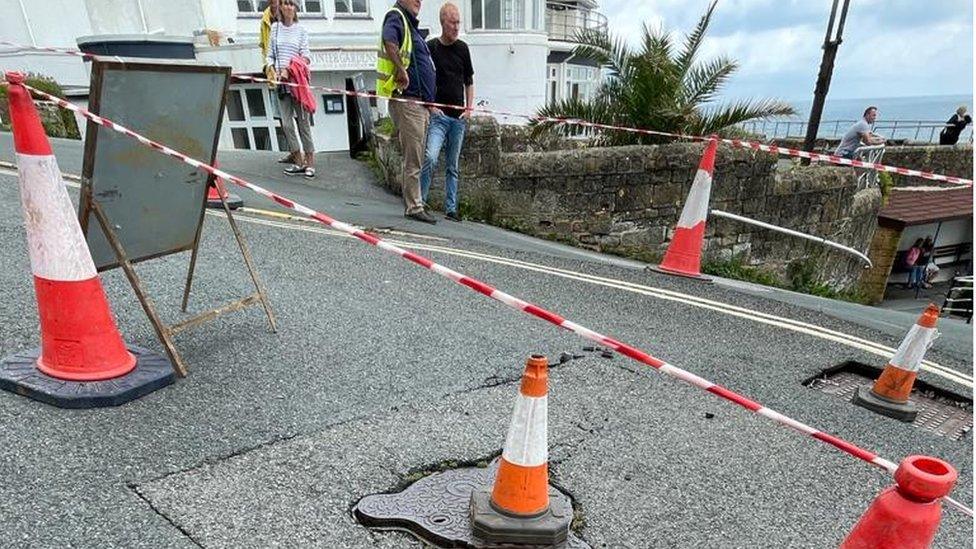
(288, 40)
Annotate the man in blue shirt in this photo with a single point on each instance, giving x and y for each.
(416, 82)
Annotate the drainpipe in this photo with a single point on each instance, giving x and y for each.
(30, 32)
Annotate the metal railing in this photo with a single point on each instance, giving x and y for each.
(924, 131)
(565, 19)
(959, 298)
(871, 153)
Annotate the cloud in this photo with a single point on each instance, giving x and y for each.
(890, 47)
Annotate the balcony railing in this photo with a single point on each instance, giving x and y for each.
(565, 19)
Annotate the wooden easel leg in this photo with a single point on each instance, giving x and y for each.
(162, 332)
(193, 253)
(262, 295)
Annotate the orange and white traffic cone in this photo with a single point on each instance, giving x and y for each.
(683, 257)
(218, 190)
(79, 338)
(906, 515)
(517, 509)
(890, 394)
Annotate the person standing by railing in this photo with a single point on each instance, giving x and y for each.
(954, 126)
(860, 133)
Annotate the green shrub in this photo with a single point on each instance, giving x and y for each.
(49, 86)
(886, 183)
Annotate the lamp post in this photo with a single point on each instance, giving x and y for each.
(831, 42)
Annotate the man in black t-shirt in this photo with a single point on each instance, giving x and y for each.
(455, 86)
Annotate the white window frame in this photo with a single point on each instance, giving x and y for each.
(254, 12)
(351, 13)
(272, 122)
(529, 18)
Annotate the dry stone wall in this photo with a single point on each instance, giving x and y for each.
(626, 200)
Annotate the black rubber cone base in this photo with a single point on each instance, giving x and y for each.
(435, 509)
(19, 374)
(491, 528)
(233, 202)
(663, 270)
(865, 398)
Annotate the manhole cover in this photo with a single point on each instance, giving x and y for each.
(940, 412)
(435, 508)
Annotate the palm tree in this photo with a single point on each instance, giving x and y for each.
(656, 88)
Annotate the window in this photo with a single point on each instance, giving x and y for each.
(334, 104)
(255, 103)
(253, 119)
(309, 7)
(506, 14)
(351, 7)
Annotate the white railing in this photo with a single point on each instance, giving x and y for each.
(925, 131)
(565, 19)
(959, 298)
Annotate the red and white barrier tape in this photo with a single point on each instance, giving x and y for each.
(737, 143)
(500, 296)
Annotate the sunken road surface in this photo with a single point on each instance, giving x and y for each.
(380, 369)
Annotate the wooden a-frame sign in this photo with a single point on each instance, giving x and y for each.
(147, 204)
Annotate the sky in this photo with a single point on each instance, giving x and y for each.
(891, 48)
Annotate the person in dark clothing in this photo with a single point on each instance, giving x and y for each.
(954, 126)
(928, 246)
(455, 86)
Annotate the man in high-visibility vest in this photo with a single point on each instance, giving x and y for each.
(405, 71)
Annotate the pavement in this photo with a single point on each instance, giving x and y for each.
(380, 370)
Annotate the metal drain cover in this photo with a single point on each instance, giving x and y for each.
(435, 508)
(939, 416)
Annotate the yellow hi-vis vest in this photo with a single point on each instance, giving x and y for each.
(385, 68)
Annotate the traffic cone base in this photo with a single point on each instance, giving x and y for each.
(491, 527)
(218, 189)
(20, 374)
(902, 411)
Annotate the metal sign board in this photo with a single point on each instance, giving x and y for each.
(155, 203)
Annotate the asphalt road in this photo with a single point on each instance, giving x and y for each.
(380, 369)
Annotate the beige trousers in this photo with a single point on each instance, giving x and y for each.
(411, 124)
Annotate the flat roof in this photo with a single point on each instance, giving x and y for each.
(917, 206)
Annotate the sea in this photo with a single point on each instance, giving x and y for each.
(932, 110)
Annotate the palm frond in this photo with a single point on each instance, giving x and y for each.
(693, 41)
(716, 119)
(704, 80)
(607, 50)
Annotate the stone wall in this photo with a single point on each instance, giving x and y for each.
(626, 200)
(954, 160)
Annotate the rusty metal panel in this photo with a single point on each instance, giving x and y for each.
(154, 202)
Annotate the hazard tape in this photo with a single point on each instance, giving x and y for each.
(504, 298)
(737, 143)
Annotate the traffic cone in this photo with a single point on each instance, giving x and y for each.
(217, 190)
(79, 338)
(517, 509)
(890, 394)
(907, 514)
(683, 257)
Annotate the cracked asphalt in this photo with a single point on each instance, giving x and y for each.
(380, 369)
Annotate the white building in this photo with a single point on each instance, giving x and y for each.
(521, 51)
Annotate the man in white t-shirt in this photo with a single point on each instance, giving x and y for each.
(860, 133)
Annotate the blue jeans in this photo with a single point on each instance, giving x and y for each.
(916, 276)
(443, 129)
